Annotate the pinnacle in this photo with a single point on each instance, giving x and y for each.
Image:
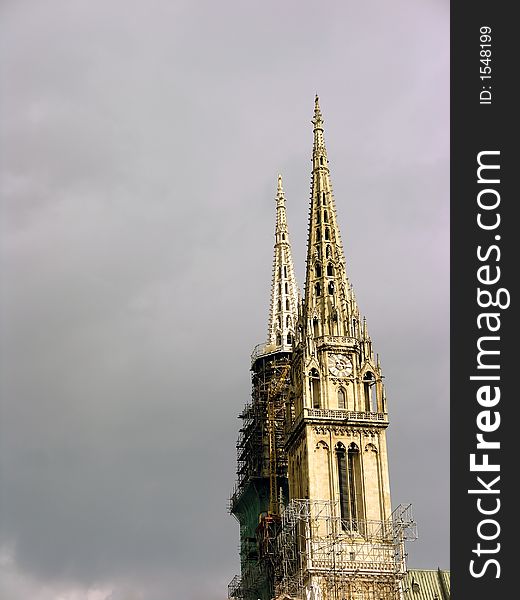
(318, 118)
(280, 197)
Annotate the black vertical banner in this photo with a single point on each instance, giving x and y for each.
(485, 242)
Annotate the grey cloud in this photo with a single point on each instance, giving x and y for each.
(140, 146)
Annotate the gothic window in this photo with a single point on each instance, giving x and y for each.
(370, 392)
(315, 326)
(331, 287)
(279, 322)
(280, 271)
(317, 269)
(314, 383)
(318, 217)
(283, 236)
(289, 338)
(327, 233)
(354, 327)
(279, 305)
(285, 271)
(321, 160)
(344, 504)
(349, 485)
(330, 270)
(341, 398)
(278, 339)
(286, 288)
(325, 216)
(354, 476)
(328, 252)
(279, 288)
(287, 304)
(318, 289)
(318, 235)
(318, 251)
(288, 321)
(323, 198)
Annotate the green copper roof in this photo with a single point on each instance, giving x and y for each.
(426, 584)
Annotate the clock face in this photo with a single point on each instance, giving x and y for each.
(339, 365)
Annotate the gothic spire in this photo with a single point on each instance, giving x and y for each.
(330, 307)
(284, 293)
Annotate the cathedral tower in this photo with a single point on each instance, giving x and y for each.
(313, 492)
(338, 538)
(262, 487)
(339, 403)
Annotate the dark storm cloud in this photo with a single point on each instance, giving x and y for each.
(140, 146)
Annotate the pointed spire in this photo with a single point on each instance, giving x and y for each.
(318, 119)
(284, 293)
(329, 299)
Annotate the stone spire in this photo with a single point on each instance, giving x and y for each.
(330, 307)
(284, 293)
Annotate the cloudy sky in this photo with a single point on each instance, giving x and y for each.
(140, 146)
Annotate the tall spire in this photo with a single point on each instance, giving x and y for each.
(330, 307)
(284, 293)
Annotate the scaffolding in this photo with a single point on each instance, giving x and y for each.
(261, 485)
(260, 444)
(320, 556)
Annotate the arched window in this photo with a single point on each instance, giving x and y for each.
(318, 289)
(330, 270)
(370, 392)
(283, 236)
(286, 288)
(328, 252)
(344, 504)
(287, 307)
(325, 216)
(279, 322)
(280, 288)
(318, 217)
(335, 323)
(315, 329)
(318, 235)
(341, 398)
(323, 198)
(318, 252)
(321, 160)
(331, 287)
(317, 269)
(349, 486)
(289, 338)
(278, 339)
(279, 305)
(314, 383)
(285, 271)
(280, 271)
(288, 321)
(354, 483)
(327, 233)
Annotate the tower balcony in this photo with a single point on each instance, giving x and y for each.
(337, 341)
(341, 416)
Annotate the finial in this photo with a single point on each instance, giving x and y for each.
(318, 119)
(280, 197)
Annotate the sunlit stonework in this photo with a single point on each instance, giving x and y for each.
(313, 493)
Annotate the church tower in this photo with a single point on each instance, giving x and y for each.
(339, 403)
(262, 487)
(313, 491)
(339, 538)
